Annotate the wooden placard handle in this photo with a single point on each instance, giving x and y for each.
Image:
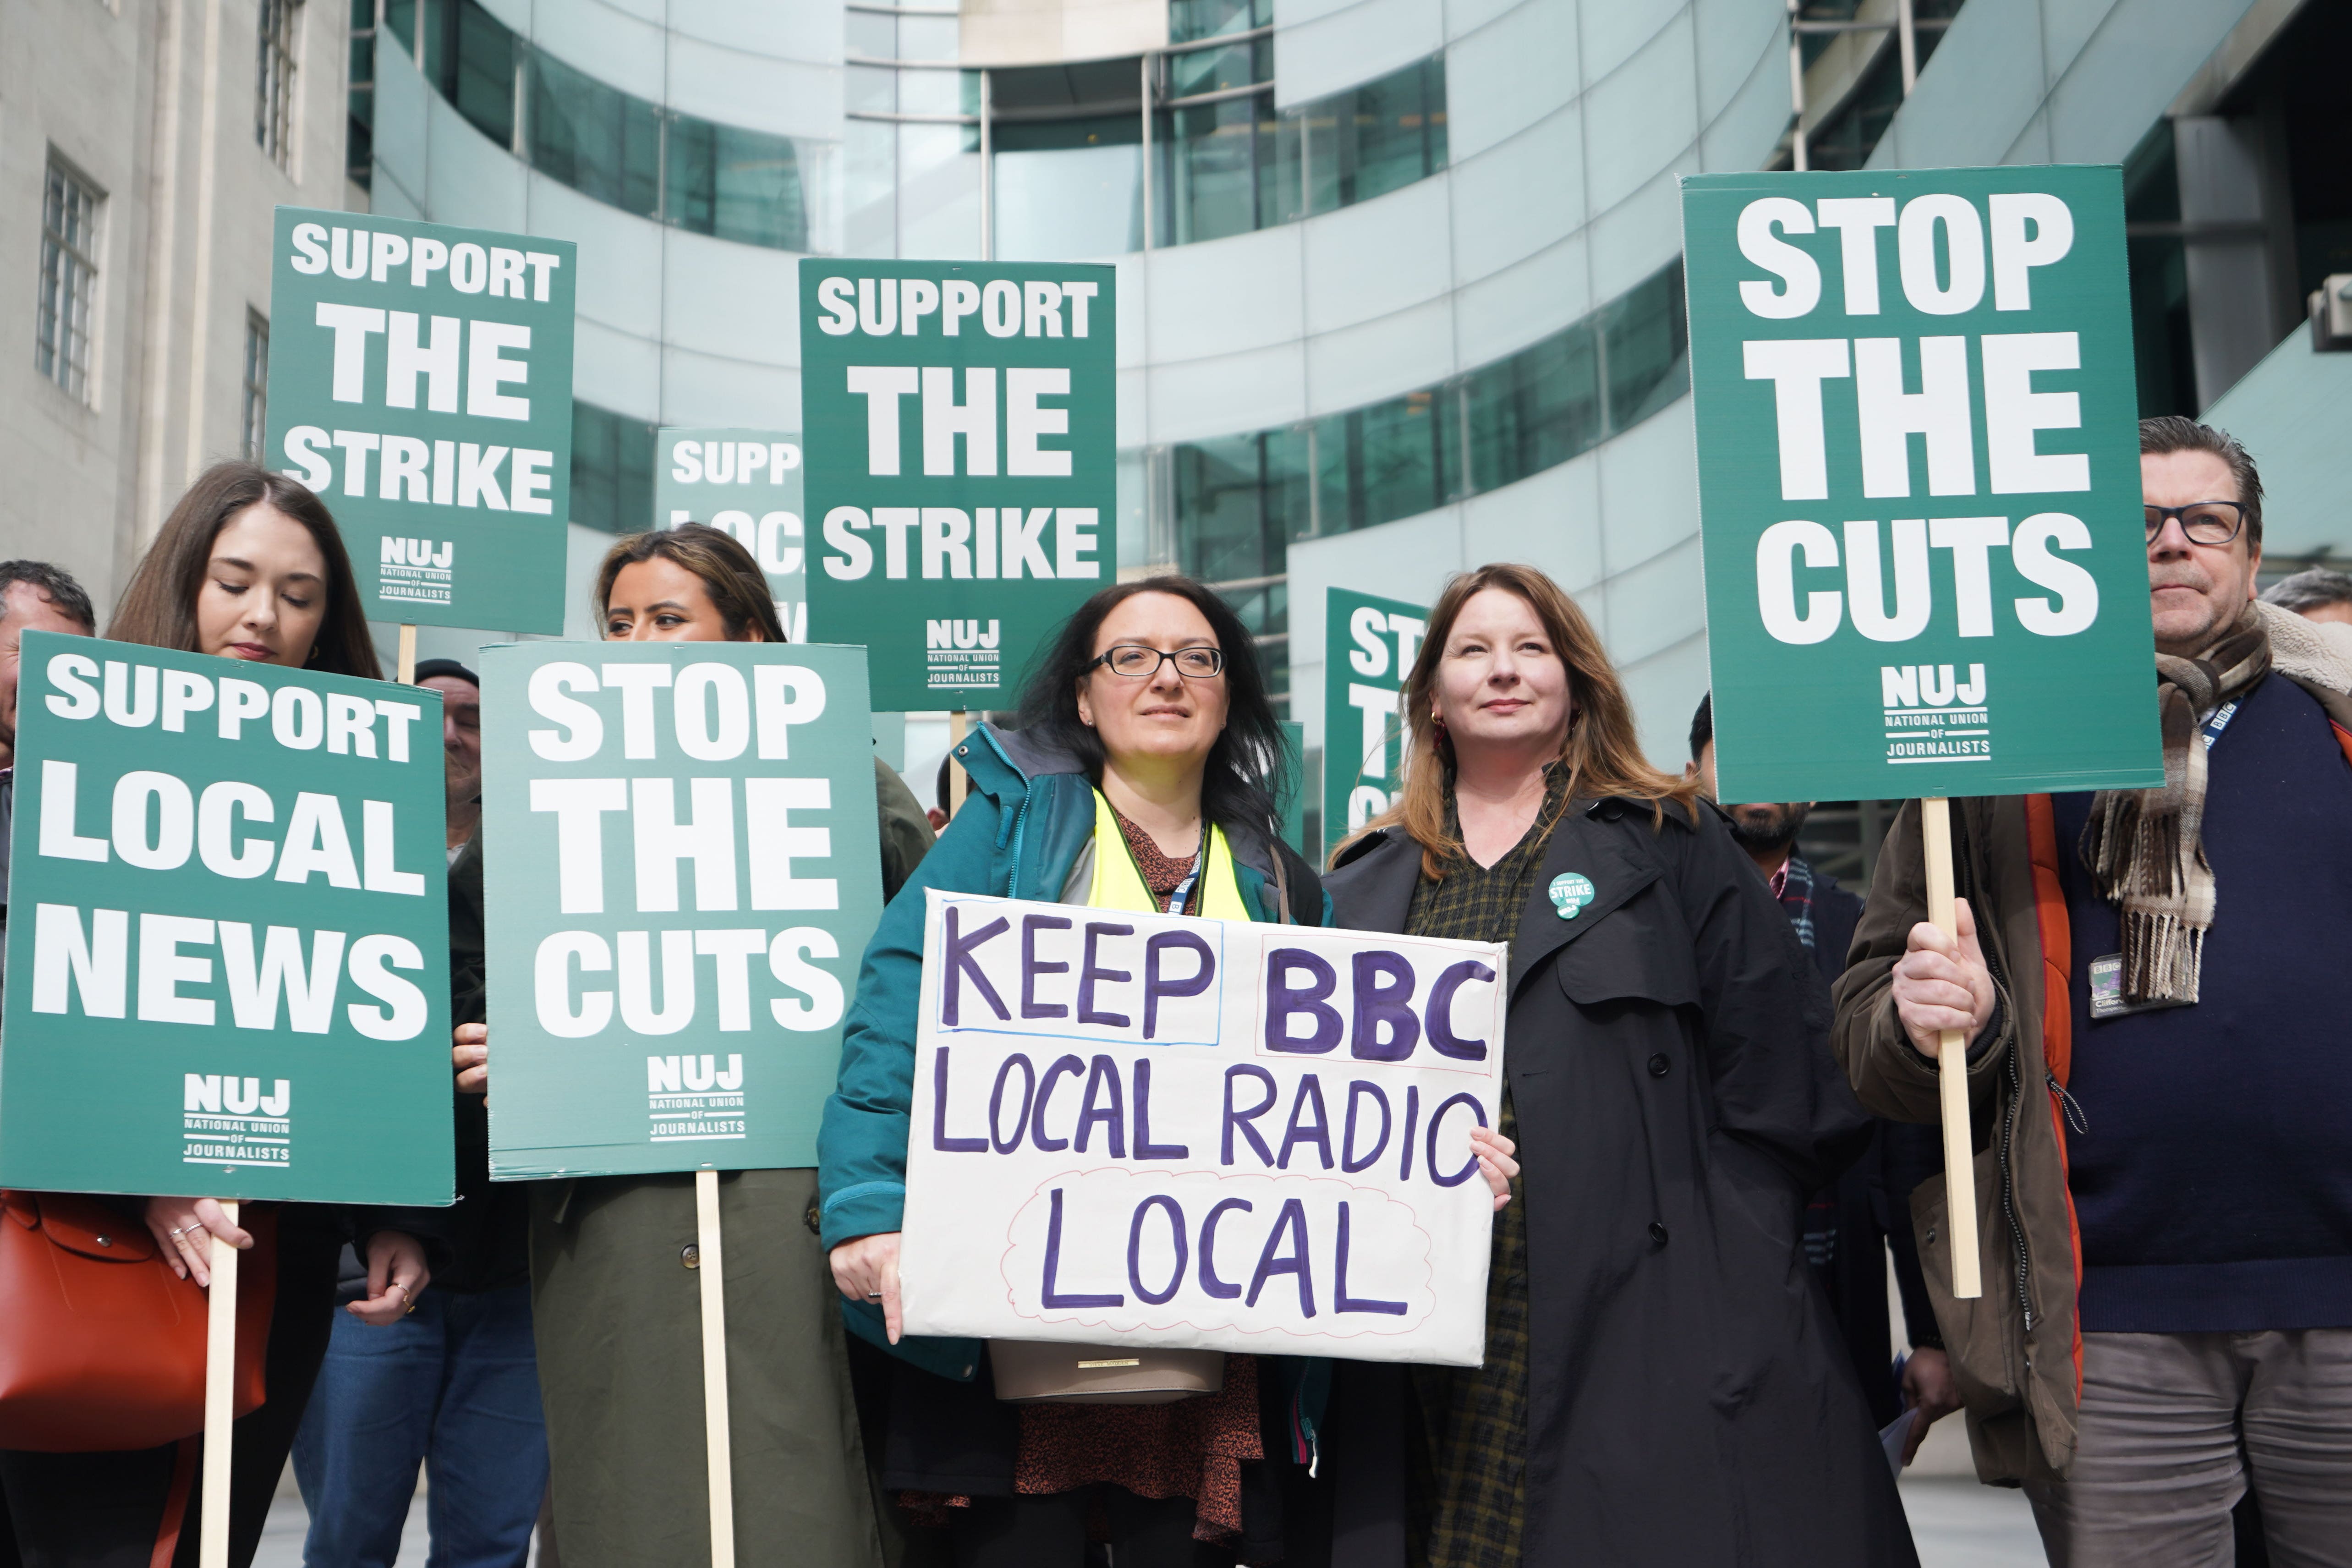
(1952, 1065)
(407, 653)
(220, 1398)
(959, 783)
(718, 1447)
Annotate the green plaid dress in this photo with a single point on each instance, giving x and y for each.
(1469, 1475)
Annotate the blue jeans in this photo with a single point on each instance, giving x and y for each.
(453, 1386)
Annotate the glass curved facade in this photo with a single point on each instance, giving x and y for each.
(1397, 282)
(1242, 501)
(675, 168)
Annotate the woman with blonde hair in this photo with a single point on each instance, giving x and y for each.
(1662, 1382)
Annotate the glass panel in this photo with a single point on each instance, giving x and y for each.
(737, 184)
(939, 192)
(483, 64)
(1069, 188)
(1089, 87)
(1214, 71)
(597, 140)
(1844, 140)
(1375, 137)
(1189, 20)
(2159, 278)
(612, 469)
(1221, 514)
(400, 21)
(928, 37)
(873, 89)
(930, 92)
(1210, 159)
(869, 36)
(869, 165)
(1538, 407)
(1645, 345)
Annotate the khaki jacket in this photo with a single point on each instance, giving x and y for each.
(2016, 1351)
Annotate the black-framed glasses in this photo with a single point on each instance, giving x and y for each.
(2202, 521)
(1138, 662)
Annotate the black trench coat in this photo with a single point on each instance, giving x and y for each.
(1689, 1402)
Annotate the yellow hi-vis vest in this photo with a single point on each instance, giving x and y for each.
(1119, 886)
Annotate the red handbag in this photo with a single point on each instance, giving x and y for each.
(101, 1345)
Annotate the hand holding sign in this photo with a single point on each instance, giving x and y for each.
(1941, 984)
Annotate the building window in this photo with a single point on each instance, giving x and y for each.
(68, 281)
(469, 57)
(612, 470)
(1240, 501)
(359, 140)
(257, 383)
(598, 140)
(273, 95)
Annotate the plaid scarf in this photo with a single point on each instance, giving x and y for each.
(2145, 847)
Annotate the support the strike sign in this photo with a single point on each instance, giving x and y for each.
(229, 961)
(1919, 491)
(1200, 1134)
(746, 483)
(962, 423)
(420, 382)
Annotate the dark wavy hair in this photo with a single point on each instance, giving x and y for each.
(1249, 768)
(738, 588)
(159, 608)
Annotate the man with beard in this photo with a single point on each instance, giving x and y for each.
(1851, 1224)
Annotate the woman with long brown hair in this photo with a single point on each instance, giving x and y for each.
(615, 1313)
(249, 566)
(1662, 1382)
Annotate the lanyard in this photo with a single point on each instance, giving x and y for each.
(2219, 723)
(1183, 889)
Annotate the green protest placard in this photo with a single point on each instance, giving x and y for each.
(746, 483)
(962, 424)
(420, 381)
(683, 867)
(1368, 647)
(1919, 482)
(229, 942)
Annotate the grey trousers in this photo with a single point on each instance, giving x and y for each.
(2174, 1429)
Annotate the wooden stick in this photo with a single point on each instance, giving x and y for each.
(1952, 1065)
(718, 1447)
(407, 653)
(220, 1398)
(959, 783)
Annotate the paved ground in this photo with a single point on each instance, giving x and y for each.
(1956, 1522)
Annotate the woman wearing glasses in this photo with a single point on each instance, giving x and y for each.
(1143, 776)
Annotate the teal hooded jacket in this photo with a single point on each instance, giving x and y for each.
(1022, 830)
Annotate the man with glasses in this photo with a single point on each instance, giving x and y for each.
(2160, 1078)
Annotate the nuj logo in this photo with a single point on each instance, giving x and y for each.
(1935, 685)
(400, 551)
(691, 1075)
(216, 1093)
(958, 634)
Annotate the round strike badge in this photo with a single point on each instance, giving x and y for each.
(1570, 892)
